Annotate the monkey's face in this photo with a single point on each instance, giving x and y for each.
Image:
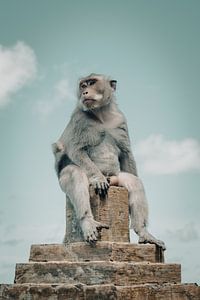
(95, 91)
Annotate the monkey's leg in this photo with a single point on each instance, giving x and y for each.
(74, 183)
(138, 208)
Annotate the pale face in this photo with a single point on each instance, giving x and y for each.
(94, 91)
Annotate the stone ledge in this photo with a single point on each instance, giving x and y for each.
(106, 251)
(161, 292)
(101, 292)
(102, 272)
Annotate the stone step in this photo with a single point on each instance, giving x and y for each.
(101, 272)
(106, 251)
(100, 292)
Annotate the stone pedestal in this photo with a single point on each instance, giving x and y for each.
(112, 211)
(113, 269)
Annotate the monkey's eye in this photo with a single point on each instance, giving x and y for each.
(92, 81)
(83, 85)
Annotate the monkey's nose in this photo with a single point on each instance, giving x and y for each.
(85, 93)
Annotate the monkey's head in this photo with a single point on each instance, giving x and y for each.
(95, 91)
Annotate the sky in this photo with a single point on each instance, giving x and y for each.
(152, 49)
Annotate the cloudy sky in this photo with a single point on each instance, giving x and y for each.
(152, 48)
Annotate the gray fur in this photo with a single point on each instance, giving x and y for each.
(94, 146)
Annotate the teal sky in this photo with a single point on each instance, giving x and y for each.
(152, 48)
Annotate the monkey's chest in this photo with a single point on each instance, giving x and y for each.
(106, 157)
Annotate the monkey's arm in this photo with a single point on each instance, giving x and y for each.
(81, 159)
(95, 177)
(127, 161)
(77, 138)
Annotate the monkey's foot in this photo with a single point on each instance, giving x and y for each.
(91, 229)
(146, 237)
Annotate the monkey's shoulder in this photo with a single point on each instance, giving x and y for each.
(119, 132)
(121, 137)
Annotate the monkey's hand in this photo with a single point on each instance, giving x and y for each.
(100, 185)
(91, 229)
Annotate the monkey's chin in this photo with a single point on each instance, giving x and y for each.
(89, 104)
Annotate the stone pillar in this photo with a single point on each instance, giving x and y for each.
(112, 211)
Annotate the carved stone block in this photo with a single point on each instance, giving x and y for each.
(101, 292)
(102, 251)
(112, 211)
(101, 272)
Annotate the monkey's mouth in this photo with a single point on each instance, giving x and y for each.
(88, 101)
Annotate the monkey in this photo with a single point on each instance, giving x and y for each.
(94, 151)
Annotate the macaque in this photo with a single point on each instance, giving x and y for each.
(94, 151)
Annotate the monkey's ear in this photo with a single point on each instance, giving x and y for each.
(113, 84)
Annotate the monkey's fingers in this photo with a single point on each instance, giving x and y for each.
(96, 190)
(99, 190)
(108, 179)
(106, 186)
(101, 226)
(104, 190)
(98, 187)
(92, 239)
(103, 193)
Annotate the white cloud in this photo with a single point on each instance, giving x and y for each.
(156, 155)
(18, 65)
(62, 89)
(61, 92)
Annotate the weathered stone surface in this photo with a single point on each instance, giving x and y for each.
(100, 292)
(161, 292)
(102, 272)
(41, 292)
(107, 251)
(112, 211)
